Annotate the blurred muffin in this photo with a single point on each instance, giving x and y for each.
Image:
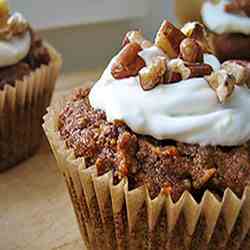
(229, 23)
(28, 71)
(156, 154)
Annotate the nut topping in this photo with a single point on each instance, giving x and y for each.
(136, 37)
(239, 70)
(169, 39)
(199, 69)
(17, 24)
(153, 74)
(128, 63)
(196, 30)
(178, 66)
(223, 83)
(191, 51)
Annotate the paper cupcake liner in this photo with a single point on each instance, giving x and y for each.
(113, 217)
(21, 110)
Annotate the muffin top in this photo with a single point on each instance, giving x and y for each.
(21, 50)
(227, 16)
(166, 115)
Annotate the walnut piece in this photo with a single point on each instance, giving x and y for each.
(136, 37)
(169, 39)
(223, 83)
(191, 51)
(128, 63)
(153, 74)
(239, 70)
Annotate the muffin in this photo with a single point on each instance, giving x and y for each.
(156, 154)
(28, 71)
(229, 24)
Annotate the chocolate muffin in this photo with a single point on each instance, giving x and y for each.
(156, 155)
(28, 71)
(229, 24)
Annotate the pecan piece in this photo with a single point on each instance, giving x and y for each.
(223, 83)
(179, 70)
(128, 63)
(169, 39)
(240, 70)
(178, 66)
(191, 51)
(197, 31)
(153, 74)
(136, 37)
(199, 69)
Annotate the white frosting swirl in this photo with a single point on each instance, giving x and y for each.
(219, 21)
(14, 50)
(187, 111)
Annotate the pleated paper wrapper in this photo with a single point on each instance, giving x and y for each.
(21, 110)
(113, 217)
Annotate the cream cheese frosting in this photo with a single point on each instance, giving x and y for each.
(16, 48)
(219, 21)
(187, 111)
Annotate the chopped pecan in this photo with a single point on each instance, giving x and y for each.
(191, 70)
(240, 70)
(18, 25)
(136, 37)
(178, 66)
(169, 39)
(191, 51)
(153, 74)
(128, 62)
(199, 69)
(223, 83)
(127, 147)
(197, 31)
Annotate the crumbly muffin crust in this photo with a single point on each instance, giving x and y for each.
(160, 165)
(37, 56)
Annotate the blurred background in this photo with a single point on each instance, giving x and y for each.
(88, 32)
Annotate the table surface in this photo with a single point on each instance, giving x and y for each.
(35, 209)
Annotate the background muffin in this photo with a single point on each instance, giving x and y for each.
(28, 71)
(229, 23)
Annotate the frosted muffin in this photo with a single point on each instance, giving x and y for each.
(28, 71)
(229, 23)
(156, 154)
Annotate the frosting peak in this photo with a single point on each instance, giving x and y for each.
(15, 38)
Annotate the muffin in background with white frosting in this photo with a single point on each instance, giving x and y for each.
(28, 71)
(229, 24)
(156, 155)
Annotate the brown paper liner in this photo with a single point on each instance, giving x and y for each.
(21, 110)
(112, 217)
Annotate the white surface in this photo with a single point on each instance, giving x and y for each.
(219, 21)
(188, 111)
(46, 14)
